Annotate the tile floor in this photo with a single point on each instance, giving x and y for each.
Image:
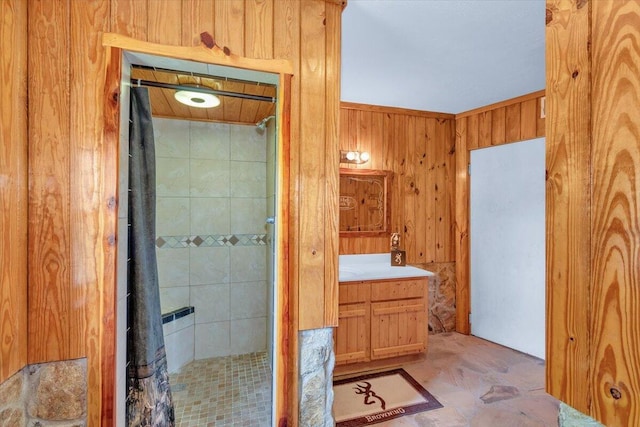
(223, 391)
(460, 371)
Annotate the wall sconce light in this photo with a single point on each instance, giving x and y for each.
(357, 157)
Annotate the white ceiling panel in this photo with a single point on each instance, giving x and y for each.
(442, 55)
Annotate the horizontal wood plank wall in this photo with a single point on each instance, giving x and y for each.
(509, 121)
(69, 203)
(568, 145)
(13, 188)
(615, 214)
(418, 147)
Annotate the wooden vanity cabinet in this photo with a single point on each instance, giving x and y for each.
(381, 319)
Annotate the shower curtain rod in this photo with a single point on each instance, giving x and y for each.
(140, 82)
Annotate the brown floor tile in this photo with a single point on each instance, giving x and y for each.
(223, 391)
(460, 369)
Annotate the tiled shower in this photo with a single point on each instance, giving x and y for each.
(212, 242)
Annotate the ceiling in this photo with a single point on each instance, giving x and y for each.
(442, 55)
(230, 110)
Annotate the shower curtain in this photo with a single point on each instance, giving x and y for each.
(149, 400)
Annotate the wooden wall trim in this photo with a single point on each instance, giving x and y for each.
(199, 53)
(394, 110)
(110, 149)
(13, 188)
(568, 246)
(332, 97)
(461, 225)
(506, 102)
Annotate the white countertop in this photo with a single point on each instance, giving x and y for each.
(353, 268)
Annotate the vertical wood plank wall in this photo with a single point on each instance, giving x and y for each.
(71, 208)
(615, 217)
(568, 203)
(593, 207)
(13, 188)
(418, 147)
(513, 120)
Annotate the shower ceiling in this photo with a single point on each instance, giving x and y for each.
(231, 110)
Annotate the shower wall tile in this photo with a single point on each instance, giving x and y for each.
(172, 216)
(178, 324)
(172, 177)
(211, 302)
(173, 298)
(270, 184)
(248, 179)
(248, 335)
(171, 138)
(209, 141)
(247, 144)
(209, 266)
(210, 215)
(248, 215)
(248, 300)
(271, 205)
(212, 206)
(180, 347)
(173, 267)
(248, 263)
(212, 340)
(209, 178)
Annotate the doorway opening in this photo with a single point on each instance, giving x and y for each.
(507, 262)
(219, 194)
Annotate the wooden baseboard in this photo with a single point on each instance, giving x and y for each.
(350, 370)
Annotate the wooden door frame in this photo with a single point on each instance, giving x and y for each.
(284, 335)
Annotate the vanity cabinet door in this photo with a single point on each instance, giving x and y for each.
(354, 322)
(352, 334)
(398, 328)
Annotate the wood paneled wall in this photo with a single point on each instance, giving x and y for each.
(568, 204)
(418, 147)
(593, 207)
(513, 120)
(72, 205)
(13, 187)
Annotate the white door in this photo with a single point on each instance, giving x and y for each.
(507, 225)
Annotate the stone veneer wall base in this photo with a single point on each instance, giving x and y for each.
(442, 296)
(570, 417)
(316, 378)
(46, 394)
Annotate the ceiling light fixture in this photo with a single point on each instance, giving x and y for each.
(197, 99)
(352, 156)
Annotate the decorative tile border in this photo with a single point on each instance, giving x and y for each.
(211, 240)
(177, 314)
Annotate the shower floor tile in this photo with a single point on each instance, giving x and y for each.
(223, 391)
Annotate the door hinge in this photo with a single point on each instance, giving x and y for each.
(469, 169)
(469, 317)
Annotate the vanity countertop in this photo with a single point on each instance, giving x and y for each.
(354, 268)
